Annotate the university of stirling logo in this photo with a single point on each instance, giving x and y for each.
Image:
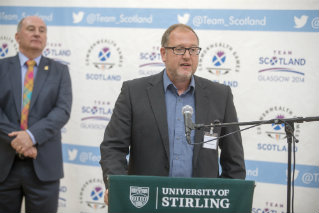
(139, 196)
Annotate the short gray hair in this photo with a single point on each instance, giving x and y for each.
(19, 27)
(20, 24)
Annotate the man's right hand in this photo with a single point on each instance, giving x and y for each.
(106, 197)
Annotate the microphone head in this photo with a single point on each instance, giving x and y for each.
(187, 109)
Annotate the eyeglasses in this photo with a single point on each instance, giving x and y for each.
(182, 50)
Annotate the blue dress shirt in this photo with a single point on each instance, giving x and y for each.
(181, 153)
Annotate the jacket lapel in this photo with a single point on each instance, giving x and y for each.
(15, 78)
(157, 101)
(201, 109)
(42, 73)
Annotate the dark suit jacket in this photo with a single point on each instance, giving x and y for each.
(50, 109)
(139, 121)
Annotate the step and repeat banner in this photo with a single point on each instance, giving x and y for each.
(269, 57)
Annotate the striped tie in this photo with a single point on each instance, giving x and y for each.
(27, 92)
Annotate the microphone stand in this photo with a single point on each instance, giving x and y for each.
(289, 129)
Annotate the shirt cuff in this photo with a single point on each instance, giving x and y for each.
(31, 136)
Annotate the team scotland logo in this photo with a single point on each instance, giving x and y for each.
(270, 206)
(57, 52)
(281, 66)
(150, 62)
(139, 196)
(96, 115)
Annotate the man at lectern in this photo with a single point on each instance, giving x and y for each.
(148, 122)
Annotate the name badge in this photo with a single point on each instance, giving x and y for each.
(210, 139)
(211, 142)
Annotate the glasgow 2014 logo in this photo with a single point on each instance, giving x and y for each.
(282, 66)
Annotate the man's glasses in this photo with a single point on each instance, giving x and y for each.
(182, 50)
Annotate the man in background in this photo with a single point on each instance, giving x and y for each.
(35, 103)
(148, 123)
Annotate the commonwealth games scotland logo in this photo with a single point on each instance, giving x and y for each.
(91, 194)
(104, 54)
(139, 196)
(276, 131)
(219, 59)
(8, 46)
(4, 50)
(220, 62)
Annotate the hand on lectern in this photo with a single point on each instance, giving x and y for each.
(106, 197)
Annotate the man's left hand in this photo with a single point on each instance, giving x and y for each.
(32, 152)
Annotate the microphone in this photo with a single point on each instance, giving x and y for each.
(189, 126)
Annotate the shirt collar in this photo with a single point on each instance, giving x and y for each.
(23, 59)
(168, 82)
